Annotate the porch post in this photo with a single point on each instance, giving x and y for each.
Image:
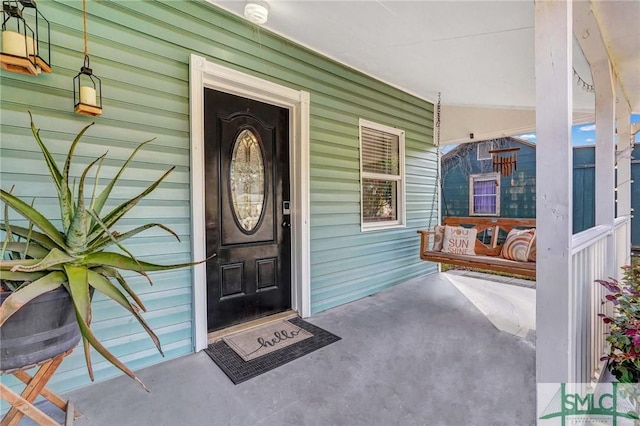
(554, 209)
(603, 81)
(623, 160)
(623, 165)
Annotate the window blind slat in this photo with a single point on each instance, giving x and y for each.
(380, 152)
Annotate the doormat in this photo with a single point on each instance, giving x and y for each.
(308, 339)
(258, 341)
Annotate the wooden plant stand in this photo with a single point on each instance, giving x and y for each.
(22, 405)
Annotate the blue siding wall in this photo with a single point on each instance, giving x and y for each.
(584, 204)
(517, 191)
(141, 49)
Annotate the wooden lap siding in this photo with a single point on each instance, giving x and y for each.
(141, 49)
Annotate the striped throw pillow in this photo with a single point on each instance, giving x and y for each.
(532, 248)
(518, 245)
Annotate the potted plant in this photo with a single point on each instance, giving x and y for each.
(623, 359)
(41, 264)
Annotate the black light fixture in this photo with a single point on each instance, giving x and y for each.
(87, 91)
(87, 87)
(26, 38)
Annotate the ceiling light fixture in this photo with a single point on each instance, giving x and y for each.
(256, 12)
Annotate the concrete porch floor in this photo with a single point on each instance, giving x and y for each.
(420, 353)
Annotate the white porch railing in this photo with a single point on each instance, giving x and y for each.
(595, 252)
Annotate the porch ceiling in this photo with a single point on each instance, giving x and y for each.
(477, 53)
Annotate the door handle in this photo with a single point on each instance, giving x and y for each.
(286, 224)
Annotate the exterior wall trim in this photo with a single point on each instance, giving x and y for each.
(203, 73)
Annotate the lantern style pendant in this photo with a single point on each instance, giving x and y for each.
(87, 91)
(26, 45)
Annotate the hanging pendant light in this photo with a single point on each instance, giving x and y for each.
(26, 45)
(87, 87)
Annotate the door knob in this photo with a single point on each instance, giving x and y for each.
(286, 224)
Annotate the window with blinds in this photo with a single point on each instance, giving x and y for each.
(484, 195)
(382, 175)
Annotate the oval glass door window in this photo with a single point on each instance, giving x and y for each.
(247, 180)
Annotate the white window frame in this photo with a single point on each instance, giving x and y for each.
(484, 177)
(489, 145)
(400, 178)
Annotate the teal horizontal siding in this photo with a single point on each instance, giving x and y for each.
(141, 50)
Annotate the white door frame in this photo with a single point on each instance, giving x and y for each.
(203, 73)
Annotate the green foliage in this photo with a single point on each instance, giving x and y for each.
(41, 257)
(624, 337)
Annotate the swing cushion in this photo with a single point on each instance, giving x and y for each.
(459, 240)
(438, 237)
(518, 244)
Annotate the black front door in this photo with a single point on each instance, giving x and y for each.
(247, 209)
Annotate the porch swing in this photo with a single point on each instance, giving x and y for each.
(489, 243)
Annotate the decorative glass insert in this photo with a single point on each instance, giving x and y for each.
(247, 180)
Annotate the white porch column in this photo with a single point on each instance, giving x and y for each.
(623, 160)
(604, 84)
(554, 209)
(623, 164)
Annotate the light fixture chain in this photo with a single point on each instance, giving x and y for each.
(84, 24)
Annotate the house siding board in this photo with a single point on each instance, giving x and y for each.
(141, 51)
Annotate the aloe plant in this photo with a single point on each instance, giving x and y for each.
(40, 257)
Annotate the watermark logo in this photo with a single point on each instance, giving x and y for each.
(582, 404)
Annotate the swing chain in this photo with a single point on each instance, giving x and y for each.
(437, 182)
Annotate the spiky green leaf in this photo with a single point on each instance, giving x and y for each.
(105, 286)
(54, 257)
(8, 265)
(120, 261)
(64, 194)
(105, 241)
(77, 232)
(90, 338)
(104, 195)
(113, 273)
(34, 236)
(34, 216)
(18, 298)
(27, 277)
(31, 250)
(110, 219)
